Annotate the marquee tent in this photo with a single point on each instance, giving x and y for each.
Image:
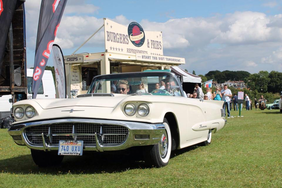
(188, 80)
(186, 77)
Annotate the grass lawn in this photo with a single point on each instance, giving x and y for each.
(246, 153)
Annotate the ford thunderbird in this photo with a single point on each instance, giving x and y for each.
(146, 110)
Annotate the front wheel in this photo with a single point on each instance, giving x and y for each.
(45, 159)
(159, 154)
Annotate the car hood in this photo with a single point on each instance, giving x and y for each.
(102, 107)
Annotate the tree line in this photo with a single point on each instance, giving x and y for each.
(262, 82)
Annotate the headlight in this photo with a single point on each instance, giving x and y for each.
(143, 110)
(130, 109)
(19, 112)
(30, 112)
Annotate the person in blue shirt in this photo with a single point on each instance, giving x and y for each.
(217, 95)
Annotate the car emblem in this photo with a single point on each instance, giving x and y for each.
(202, 126)
(71, 110)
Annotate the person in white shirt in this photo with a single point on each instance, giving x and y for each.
(247, 100)
(226, 97)
(200, 94)
(209, 94)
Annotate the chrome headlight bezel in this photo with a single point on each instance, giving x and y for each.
(130, 109)
(143, 110)
(19, 112)
(30, 112)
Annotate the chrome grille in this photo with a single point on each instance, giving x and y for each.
(108, 135)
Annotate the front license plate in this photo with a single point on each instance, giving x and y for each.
(70, 147)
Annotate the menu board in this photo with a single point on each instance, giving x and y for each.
(240, 95)
(75, 81)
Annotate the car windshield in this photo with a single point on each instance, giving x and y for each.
(146, 83)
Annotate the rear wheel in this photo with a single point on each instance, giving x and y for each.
(44, 159)
(159, 154)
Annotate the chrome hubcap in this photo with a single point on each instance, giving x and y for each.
(163, 146)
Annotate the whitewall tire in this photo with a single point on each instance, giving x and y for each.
(159, 154)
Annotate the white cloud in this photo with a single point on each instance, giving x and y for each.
(274, 58)
(81, 9)
(184, 32)
(64, 43)
(244, 27)
(122, 20)
(176, 41)
(251, 64)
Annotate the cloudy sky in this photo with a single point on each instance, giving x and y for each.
(209, 34)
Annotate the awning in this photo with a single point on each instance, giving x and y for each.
(187, 77)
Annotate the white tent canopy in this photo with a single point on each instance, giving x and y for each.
(187, 77)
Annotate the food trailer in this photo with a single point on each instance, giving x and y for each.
(127, 49)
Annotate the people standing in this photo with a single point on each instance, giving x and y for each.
(247, 100)
(235, 102)
(262, 102)
(226, 97)
(256, 103)
(217, 95)
(209, 94)
(200, 94)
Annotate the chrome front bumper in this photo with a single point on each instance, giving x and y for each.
(138, 134)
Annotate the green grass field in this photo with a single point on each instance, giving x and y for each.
(246, 153)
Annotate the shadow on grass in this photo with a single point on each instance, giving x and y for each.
(89, 163)
(184, 150)
(271, 112)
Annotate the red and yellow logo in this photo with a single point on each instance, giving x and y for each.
(136, 34)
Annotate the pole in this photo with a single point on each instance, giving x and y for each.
(240, 109)
(11, 50)
(88, 39)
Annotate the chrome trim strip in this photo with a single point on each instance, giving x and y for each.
(129, 124)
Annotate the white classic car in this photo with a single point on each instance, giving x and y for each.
(148, 110)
